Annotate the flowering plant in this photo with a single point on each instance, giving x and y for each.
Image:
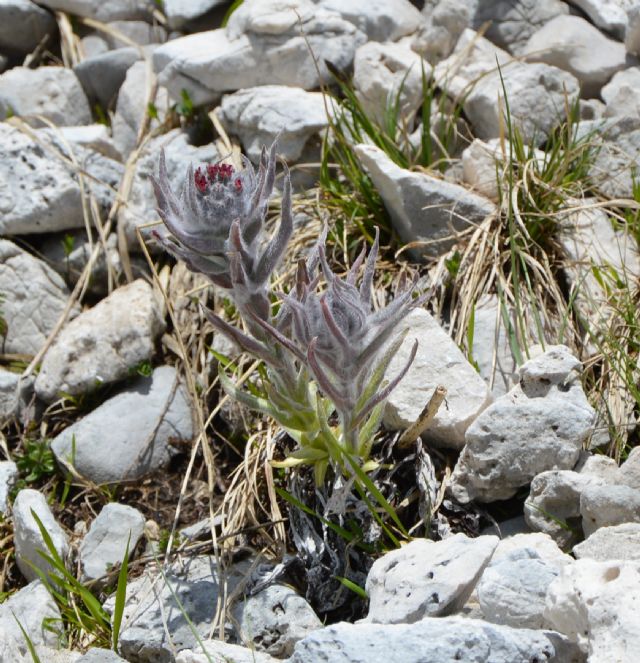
(326, 350)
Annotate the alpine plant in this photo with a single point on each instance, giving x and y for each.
(327, 350)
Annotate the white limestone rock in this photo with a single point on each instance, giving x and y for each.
(179, 153)
(609, 15)
(273, 620)
(104, 11)
(53, 92)
(491, 350)
(217, 650)
(473, 58)
(37, 612)
(34, 297)
(258, 115)
(26, 534)
(155, 626)
(542, 544)
(608, 543)
(39, 190)
(433, 639)
(617, 155)
(23, 25)
(632, 35)
(629, 473)
(595, 605)
(426, 578)
(95, 655)
(553, 504)
(103, 343)
(482, 167)
(95, 137)
(266, 42)
(438, 361)
(381, 72)
(541, 424)
(606, 505)
(422, 207)
(513, 587)
(512, 22)
(576, 46)
(181, 12)
(8, 476)
(102, 75)
(597, 465)
(536, 95)
(104, 545)
(445, 21)
(621, 93)
(379, 20)
(131, 108)
(130, 435)
(587, 238)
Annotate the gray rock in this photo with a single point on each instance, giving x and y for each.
(260, 114)
(380, 20)
(38, 614)
(53, 92)
(594, 604)
(553, 504)
(8, 476)
(597, 465)
(606, 505)
(632, 36)
(536, 95)
(541, 544)
(26, 534)
(95, 137)
(70, 264)
(155, 625)
(433, 639)
(573, 44)
(438, 361)
(95, 655)
(141, 33)
(445, 21)
(482, 167)
(541, 424)
(589, 240)
(381, 72)
(512, 22)
(16, 393)
(621, 94)
(513, 588)
(609, 543)
(131, 108)
(629, 473)
(273, 620)
(261, 45)
(103, 11)
(103, 344)
(104, 546)
(217, 650)
(34, 297)
(426, 579)
(491, 350)
(142, 201)
(23, 25)
(423, 208)
(610, 15)
(39, 189)
(473, 58)
(102, 75)
(617, 154)
(181, 12)
(141, 422)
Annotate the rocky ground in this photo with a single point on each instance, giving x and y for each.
(496, 144)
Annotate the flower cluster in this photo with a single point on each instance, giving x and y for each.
(327, 350)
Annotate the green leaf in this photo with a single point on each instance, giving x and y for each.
(121, 596)
(355, 588)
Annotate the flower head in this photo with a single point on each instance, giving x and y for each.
(215, 223)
